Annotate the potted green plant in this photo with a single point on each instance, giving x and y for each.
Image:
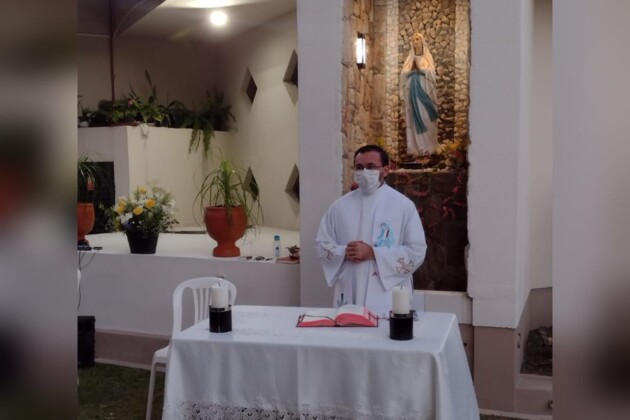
(215, 114)
(117, 112)
(89, 174)
(85, 117)
(178, 115)
(132, 109)
(143, 216)
(84, 114)
(228, 206)
(222, 112)
(148, 110)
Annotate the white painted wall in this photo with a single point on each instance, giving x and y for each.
(266, 138)
(181, 70)
(319, 43)
(161, 157)
(93, 76)
(108, 144)
(134, 293)
(510, 155)
(495, 106)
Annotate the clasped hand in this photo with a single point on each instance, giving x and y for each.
(357, 251)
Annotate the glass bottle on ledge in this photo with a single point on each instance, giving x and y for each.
(276, 246)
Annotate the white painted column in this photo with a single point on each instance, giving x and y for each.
(496, 87)
(319, 67)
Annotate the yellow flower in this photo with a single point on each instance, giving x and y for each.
(150, 203)
(142, 190)
(120, 209)
(138, 210)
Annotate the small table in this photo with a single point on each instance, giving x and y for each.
(267, 368)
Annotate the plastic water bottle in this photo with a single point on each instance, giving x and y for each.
(276, 246)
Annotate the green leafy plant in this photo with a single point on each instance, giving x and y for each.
(85, 114)
(225, 187)
(222, 112)
(215, 114)
(179, 116)
(115, 112)
(89, 174)
(132, 108)
(148, 110)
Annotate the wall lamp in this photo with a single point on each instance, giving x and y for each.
(360, 50)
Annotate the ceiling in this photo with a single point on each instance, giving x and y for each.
(188, 19)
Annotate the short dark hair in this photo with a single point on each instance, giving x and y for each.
(373, 148)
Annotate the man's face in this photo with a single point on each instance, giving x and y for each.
(371, 160)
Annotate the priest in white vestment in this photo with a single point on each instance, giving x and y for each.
(371, 239)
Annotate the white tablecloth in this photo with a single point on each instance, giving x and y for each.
(266, 368)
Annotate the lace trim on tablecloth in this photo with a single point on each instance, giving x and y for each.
(206, 411)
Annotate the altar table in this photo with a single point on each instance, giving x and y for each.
(267, 368)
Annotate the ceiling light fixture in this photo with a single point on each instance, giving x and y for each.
(202, 4)
(218, 18)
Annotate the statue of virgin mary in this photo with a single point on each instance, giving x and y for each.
(418, 93)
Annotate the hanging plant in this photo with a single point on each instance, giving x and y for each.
(215, 114)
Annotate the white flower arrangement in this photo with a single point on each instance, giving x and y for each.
(147, 211)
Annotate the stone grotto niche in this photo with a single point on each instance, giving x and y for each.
(433, 176)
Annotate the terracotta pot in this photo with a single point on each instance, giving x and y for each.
(140, 243)
(226, 234)
(85, 220)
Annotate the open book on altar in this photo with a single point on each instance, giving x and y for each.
(344, 316)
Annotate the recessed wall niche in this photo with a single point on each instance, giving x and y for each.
(249, 86)
(291, 73)
(445, 25)
(374, 112)
(293, 184)
(290, 78)
(372, 108)
(251, 185)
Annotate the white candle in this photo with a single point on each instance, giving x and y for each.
(219, 296)
(400, 301)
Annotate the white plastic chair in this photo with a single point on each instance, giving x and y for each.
(200, 288)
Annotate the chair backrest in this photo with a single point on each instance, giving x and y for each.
(201, 291)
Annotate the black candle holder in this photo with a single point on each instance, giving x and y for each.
(220, 319)
(401, 325)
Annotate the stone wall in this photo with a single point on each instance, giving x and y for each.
(462, 68)
(371, 102)
(385, 117)
(371, 114)
(446, 28)
(357, 84)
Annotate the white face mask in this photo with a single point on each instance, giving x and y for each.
(368, 180)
